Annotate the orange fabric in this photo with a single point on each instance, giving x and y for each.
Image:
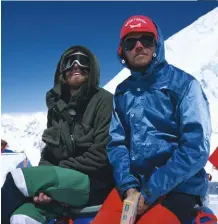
(158, 214)
(111, 210)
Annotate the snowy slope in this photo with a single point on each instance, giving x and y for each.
(193, 49)
(24, 132)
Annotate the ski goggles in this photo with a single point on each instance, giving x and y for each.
(81, 59)
(146, 41)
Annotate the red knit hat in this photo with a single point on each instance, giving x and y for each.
(137, 24)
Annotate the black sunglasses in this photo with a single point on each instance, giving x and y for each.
(146, 41)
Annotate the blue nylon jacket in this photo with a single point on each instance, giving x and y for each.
(160, 131)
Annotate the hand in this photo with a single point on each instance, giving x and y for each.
(142, 206)
(130, 191)
(42, 199)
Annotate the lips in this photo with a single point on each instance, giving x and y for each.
(75, 73)
(141, 55)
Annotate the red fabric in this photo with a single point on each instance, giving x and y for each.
(214, 158)
(202, 215)
(111, 210)
(137, 23)
(158, 214)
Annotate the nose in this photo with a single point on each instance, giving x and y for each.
(138, 46)
(75, 66)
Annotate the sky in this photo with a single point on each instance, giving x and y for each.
(35, 34)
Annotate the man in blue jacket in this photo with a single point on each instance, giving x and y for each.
(159, 133)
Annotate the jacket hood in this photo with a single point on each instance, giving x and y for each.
(60, 95)
(94, 74)
(157, 61)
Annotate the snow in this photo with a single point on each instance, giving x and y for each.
(23, 132)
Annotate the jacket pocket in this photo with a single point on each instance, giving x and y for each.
(52, 135)
(83, 134)
(157, 152)
(55, 147)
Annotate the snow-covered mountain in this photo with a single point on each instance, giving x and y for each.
(193, 49)
(23, 132)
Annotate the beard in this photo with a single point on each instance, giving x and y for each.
(137, 67)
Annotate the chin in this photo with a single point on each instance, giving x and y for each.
(76, 79)
(78, 82)
(141, 65)
(143, 62)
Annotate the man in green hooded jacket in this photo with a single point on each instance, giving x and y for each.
(74, 170)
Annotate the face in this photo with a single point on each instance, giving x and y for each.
(76, 76)
(140, 56)
(76, 68)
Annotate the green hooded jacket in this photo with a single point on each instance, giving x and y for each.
(78, 125)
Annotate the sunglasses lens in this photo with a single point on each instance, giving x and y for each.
(129, 44)
(81, 59)
(146, 41)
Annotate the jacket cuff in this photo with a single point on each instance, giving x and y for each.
(150, 194)
(126, 185)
